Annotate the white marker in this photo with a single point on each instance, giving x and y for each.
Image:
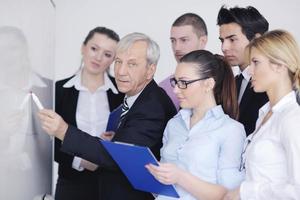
(37, 101)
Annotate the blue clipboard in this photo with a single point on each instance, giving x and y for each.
(114, 119)
(132, 160)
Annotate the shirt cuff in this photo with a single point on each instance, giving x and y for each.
(248, 190)
(76, 164)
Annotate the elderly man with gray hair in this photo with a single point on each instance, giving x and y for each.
(146, 111)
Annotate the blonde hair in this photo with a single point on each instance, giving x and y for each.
(280, 47)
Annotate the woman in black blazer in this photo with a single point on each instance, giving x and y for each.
(85, 101)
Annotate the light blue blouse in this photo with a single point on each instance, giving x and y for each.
(210, 150)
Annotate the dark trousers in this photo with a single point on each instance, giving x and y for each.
(76, 190)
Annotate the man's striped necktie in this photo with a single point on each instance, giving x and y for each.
(125, 109)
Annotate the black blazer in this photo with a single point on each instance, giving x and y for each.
(250, 103)
(66, 106)
(143, 125)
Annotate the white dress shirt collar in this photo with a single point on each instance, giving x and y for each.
(131, 99)
(76, 82)
(237, 71)
(291, 96)
(246, 74)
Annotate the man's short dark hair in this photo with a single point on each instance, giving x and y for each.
(249, 18)
(193, 20)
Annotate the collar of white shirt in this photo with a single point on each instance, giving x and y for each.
(291, 96)
(237, 71)
(131, 99)
(76, 82)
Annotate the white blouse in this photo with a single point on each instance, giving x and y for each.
(272, 158)
(92, 109)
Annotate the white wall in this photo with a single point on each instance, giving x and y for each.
(75, 18)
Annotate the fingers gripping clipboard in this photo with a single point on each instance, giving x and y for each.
(132, 160)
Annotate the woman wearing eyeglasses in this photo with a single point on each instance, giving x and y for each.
(272, 156)
(203, 143)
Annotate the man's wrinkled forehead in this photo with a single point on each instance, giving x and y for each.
(137, 50)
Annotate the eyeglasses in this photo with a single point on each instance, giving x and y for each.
(182, 84)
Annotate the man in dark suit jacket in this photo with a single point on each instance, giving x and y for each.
(150, 108)
(238, 26)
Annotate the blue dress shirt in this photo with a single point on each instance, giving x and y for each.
(210, 150)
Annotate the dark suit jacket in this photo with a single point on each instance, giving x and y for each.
(66, 106)
(250, 103)
(143, 125)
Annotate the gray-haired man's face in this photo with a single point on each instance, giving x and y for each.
(132, 71)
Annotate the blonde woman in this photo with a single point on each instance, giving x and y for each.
(271, 155)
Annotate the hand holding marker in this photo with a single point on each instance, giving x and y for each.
(38, 103)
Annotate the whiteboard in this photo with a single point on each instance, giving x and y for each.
(26, 65)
